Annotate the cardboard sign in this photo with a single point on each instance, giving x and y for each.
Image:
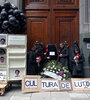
(65, 85)
(52, 53)
(31, 83)
(49, 85)
(81, 84)
(35, 84)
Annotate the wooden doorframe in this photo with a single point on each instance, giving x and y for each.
(51, 11)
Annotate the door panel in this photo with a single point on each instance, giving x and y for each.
(36, 4)
(65, 26)
(66, 4)
(38, 30)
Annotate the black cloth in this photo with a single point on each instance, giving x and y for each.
(77, 69)
(32, 67)
(64, 58)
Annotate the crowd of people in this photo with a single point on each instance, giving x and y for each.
(73, 58)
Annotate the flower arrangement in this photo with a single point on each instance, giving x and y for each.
(57, 69)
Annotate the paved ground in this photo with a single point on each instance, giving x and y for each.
(16, 94)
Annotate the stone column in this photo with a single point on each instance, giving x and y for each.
(84, 33)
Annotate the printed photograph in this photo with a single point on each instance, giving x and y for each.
(17, 73)
(2, 60)
(2, 39)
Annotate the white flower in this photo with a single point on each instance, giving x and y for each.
(53, 71)
(64, 75)
(53, 66)
(57, 72)
(63, 79)
(47, 69)
(52, 62)
(50, 70)
(41, 73)
(58, 69)
(44, 69)
(48, 66)
(65, 70)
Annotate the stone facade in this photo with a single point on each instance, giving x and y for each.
(84, 28)
(2, 1)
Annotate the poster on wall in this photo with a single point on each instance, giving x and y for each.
(2, 75)
(3, 40)
(16, 40)
(16, 73)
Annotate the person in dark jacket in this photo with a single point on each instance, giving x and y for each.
(77, 64)
(41, 51)
(71, 53)
(32, 61)
(51, 52)
(63, 54)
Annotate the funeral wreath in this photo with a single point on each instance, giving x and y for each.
(54, 69)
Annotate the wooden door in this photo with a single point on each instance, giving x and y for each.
(52, 21)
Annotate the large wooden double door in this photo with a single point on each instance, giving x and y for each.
(52, 21)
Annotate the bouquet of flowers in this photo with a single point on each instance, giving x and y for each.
(55, 70)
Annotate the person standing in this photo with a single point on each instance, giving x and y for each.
(63, 54)
(32, 62)
(77, 64)
(71, 54)
(51, 52)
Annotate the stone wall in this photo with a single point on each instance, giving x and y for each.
(2, 1)
(84, 33)
(15, 2)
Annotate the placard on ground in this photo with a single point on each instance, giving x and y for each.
(31, 83)
(81, 84)
(49, 84)
(65, 85)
